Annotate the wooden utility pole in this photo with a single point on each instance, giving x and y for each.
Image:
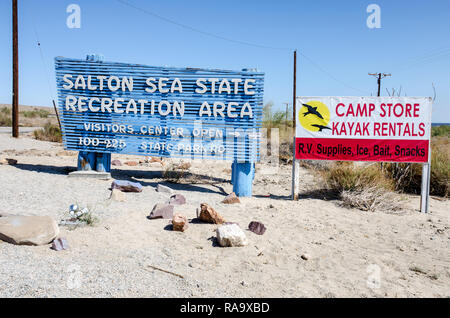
(379, 77)
(15, 97)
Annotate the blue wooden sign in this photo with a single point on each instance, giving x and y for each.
(109, 107)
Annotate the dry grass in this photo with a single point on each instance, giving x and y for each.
(362, 187)
(408, 177)
(345, 176)
(50, 132)
(29, 116)
(175, 172)
(371, 199)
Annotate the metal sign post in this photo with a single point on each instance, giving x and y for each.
(425, 189)
(295, 163)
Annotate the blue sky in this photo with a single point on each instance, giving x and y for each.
(412, 43)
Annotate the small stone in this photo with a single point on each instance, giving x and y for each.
(8, 161)
(179, 222)
(28, 230)
(152, 159)
(163, 188)
(209, 215)
(257, 227)
(116, 162)
(184, 166)
(177, 199)
(60, 244)
(162, 211)
(73, 208)
(231, 235)
(305, 257)
(131, 163)
(84, 211)
(126, 186)
(231, 198)
(117, 195)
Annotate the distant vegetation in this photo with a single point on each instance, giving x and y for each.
(440, 131)
(37, 113)
(5, 117)
(28, 117)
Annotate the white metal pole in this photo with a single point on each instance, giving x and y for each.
(425, 189)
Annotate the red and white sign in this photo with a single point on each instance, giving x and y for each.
(395, 129)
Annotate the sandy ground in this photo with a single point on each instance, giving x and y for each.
(352, 253)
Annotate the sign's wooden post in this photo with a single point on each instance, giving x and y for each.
(242, 177)
(86, 160)
(103, 162)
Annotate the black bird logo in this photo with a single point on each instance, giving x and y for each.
(312, 110)
(321, 127)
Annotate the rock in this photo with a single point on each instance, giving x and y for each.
(117, 195)
(257, 227)
(152, 159)
(28, 230)
(177, 199)
(305, 257)
(231, 198)
(7, 161)
(72, 223)
(179, 222)
(231, 235)
(161, 211)
(184, 166)
(209, 215)
(126, 186)
(163, 188)
(131, 163)
(60, 244)
(116, 162)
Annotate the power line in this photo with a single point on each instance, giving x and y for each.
(198, 30)
(331, 75)
(235, 41)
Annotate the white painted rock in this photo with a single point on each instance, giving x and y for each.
(28, 230)
(163, 188)
(117, 195)
(230, 235)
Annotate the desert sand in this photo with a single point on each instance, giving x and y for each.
(350, 253)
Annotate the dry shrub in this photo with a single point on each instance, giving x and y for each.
(371, 199)
(345, 176)
(408, 177)
(175, 172)
(5, 117)
(50, 132)
(362, 187)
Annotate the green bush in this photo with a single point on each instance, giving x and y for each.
(443, 130)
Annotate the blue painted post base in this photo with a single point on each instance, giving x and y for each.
(100, 162)
(242, 175)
